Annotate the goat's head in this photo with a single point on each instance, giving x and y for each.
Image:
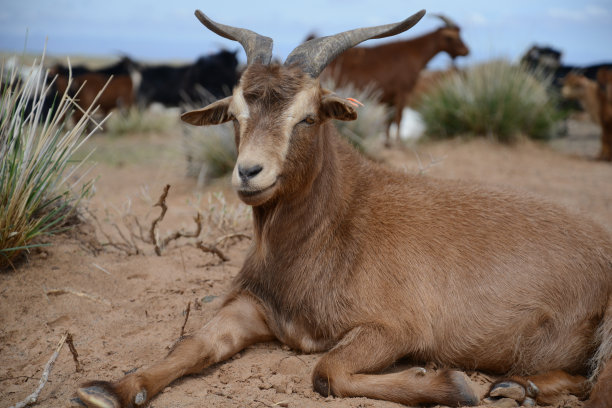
(451, 41)
(278, 111)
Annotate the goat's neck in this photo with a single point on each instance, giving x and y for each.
(297, 216)
(428, 46)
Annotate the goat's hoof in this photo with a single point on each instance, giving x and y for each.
(141, 397)
(529, 402)
(467, 396)
(523, 393)
(96, 396)
(508, 389)
(532, 389)
(418, 371)
(77, 403)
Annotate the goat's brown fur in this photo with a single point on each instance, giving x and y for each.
(579, 87)
(604, 80)
(117, 94)
(394, 67)
(374, 265)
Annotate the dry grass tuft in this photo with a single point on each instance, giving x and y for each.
(39, 187)
(497, 100)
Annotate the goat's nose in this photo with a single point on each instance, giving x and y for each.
(249, 172)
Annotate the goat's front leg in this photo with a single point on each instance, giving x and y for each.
(348, 371)
(238, 324)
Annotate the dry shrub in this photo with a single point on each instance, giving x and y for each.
(496, 100)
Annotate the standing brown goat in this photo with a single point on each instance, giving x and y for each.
(119, 92)
(372, 265)
(394, 68)
(604, 80)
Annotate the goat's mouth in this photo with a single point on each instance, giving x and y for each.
(256, 197)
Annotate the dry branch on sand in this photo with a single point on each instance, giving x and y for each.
(220, 219)
(33, 398)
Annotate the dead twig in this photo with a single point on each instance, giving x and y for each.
(101, 268)
(160, 203)
(181, 234)
(224, 238)
(186, 317)
(75, 355)
(212, 249)
(63, 291)
(32, 398)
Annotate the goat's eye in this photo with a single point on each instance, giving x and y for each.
(308, 120)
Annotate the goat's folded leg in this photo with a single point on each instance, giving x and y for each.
(346, 371)
(541, 388)
(239, 323)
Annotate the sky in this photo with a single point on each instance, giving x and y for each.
(166, 30)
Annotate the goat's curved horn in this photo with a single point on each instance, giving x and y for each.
(257, 47)
(449, 23)
(314, 55)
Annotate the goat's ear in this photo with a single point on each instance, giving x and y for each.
(334, 107)
(213, 114)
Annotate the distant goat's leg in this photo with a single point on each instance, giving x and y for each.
(237, 324)
(399, 112)
(344, 372)
(540, 388)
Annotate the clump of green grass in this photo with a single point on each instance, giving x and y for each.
(496, 100)
(36, 171)
(140, 120)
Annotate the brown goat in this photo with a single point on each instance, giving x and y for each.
(394, 67)
(371, 265)
(604, 80)
(118, 93)
(582, 89)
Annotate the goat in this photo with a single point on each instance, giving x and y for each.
(117, 94)
(548, 60)
(394, 67)
(120, 91)
(604, 80)
(370, 264)
(579, 87)
(206, 80)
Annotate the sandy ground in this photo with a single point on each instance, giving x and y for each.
(124, 312)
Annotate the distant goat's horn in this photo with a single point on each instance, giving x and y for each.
(449, 23)
(257, 47)
(314, 55)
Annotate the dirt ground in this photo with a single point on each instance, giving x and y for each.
(124, 312)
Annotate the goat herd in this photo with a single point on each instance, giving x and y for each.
(368, 265)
